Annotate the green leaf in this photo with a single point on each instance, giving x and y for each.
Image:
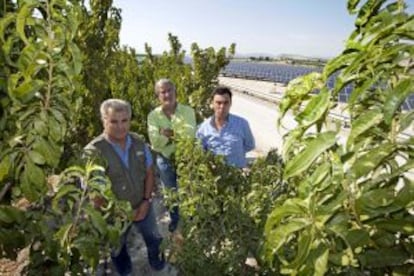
(396, 97)
(370, 160)
(338, 63)
(5, 166)
(405, 226)
(377, 198)
(406, 194)
(24, 13)
(36, 157)
(321, 262)
(315, 109)
(31, 60)
(76, 59)
(406, 120)
(312, 151)
(352, 6)
(383, 257)
(56, 129)
(357, 238)
(27, 90)
(290, 207)
(97, 220)
(62, 235)
(40, 127)
(65, 191)
(359, 90)
(297, 90)
(49, 150)
(367, 11)
(10, 214)
(36, 175)
(5, 21)
(365, 121)
(277, 237)
(304, 247)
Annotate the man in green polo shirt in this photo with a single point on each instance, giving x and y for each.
(166, 123)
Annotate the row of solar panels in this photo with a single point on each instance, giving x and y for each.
(282, 73)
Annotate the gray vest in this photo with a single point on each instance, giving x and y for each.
(127, 183)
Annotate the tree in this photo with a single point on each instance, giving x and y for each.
(352, 209)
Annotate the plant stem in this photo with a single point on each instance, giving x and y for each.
(5, 189)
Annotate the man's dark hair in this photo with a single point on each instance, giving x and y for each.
(221, 90)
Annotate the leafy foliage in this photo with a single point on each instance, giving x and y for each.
(60, 59)
(349, 192)
(223, 210)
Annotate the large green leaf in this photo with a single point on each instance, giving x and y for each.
(290, 207)
(5, 166)
(338, 63)
(31, 60)
(312, 151)
(305, 241)
(352, 6)
(321, 262)
(364, 122)
(76, 59)
(36, 157)
(405, 226)
(362, 88)
(357, 238)
(97, 220)
(406, 120)
(49, 150)
(377, 198)
(314, 109)
(298, 89)
(56, 129)
(36, 176)
(383, 257)
(370, 160)
(10, 214)
(26, 91)
(396, 97)
(65, 191)
(24, 13)
(277, 237)
(369, 9)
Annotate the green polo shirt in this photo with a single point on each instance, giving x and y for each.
(182, 122)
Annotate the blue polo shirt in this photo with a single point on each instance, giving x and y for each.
(233, 141)
(123, 154)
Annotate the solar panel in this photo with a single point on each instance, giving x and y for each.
(284, 73)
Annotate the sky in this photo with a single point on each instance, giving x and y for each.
(313, 28)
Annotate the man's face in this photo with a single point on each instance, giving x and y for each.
(221, 105)
(116, 125)
(166, 95)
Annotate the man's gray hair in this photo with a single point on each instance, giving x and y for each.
(116, 105)
(162, 82)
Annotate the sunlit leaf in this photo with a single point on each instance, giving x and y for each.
(312, 151)
(370, 160)
(396, 97)
(364, 122)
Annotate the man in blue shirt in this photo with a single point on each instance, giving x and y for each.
(224, 133)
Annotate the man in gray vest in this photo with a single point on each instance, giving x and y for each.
(129, 167)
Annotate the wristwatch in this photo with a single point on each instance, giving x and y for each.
(149, 199)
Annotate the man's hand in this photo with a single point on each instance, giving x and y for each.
(98, 202)
(167, 132)
(142, 210)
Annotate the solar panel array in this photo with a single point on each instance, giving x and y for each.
(284, 73)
